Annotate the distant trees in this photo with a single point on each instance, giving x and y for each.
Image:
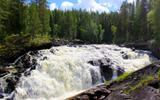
(156, 21)
(34, 20)
(137, 21)
(4, 13)
(24, 24)
(78, 25)
(44, 16)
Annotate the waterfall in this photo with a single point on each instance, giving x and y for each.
(64, 70)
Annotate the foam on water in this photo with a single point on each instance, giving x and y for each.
(64, 70)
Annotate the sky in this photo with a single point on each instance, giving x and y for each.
(89, 5)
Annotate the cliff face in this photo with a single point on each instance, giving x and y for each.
(140, 85)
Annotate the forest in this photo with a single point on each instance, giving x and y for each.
(25, 24)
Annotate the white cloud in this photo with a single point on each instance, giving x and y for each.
(92, 5)
(131, 1)
(53, 6)
(66, 5)
(89, 5)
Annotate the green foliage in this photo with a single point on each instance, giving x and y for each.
(107, 83)
(134, 22)
(121, 77)
(40, 39)
(156, 21)
(158, 73)
(114, 30)
(34, 20)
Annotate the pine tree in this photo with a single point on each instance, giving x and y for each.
(143, 20)
(4, 13)
(44, 15)
(156, 21)
(34, 21)
(124, 15)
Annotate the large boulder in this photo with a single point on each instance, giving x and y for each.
(107, 72)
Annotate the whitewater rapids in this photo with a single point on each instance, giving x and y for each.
(64, 70)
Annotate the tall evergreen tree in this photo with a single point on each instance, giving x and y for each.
(156, 21)
(34, 21)
(44, 15)
(4, 13)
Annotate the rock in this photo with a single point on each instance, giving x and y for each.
(125, 56)
(99, 93)
(115, 90)
(95, 63)
(77, 42)
(1, 95)
(145, 93)
(11, 56)
(23, 65)
(11, 83)
(105, 68)
(137, 45)
(106, 72)
(94, 76)
(118, 96)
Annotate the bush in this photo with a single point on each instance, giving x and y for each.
(39, 39)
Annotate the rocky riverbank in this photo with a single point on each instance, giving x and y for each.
(10, 56)
(11, 73)
(140, 85)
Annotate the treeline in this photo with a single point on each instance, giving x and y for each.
(137, 21)
(23, 24)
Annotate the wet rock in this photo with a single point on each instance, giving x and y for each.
(94, 76)
(106, 72)
(95, 63)
(99, 93)
(125, 56)
(44, 58)
(52, 51)
(11, 83)
(76, 41)
(1, 96)
(104, 62)
(23, 65)
(1, 92)
(138, 45)
(34, 53)
(115, 90)
(105, 68)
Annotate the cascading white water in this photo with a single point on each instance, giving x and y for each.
(64, 70)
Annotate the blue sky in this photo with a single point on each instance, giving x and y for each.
(89, 5)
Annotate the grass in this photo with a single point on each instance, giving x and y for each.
(107, 83)
(158, 73)
(133, 86)
(120, 78)
(143, 81)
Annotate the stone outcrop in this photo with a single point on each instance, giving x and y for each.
(10, 75)
(106, 68)
(150, 90)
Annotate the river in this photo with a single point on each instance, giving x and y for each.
(63, 71)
